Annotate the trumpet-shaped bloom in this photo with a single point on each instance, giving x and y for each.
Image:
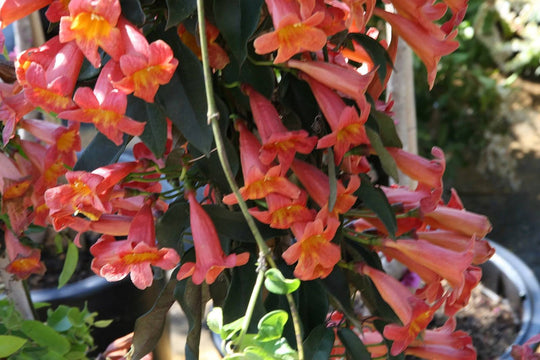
(276, 138)
(428, 43)
(344, 79)
(51, 88)
(446, 263)
(12, 10)
(414, 313)
(114, 260)
(13, 106)
(347, 127)
(57, 9)
(24, 261)
(259, 180)
(317, 185)
(315, 253)
(461, 221)
(283, 211)
(443, 344)
(105, 107)
(292, 36)
(210, 258)
(92, 24)
(217, 57)
(145, 66)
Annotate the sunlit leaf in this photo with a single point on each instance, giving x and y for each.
(271, 325)
(10, 344)
(70, 264)
(276, 283)
(45, 336)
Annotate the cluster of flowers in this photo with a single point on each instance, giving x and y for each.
(439, 242)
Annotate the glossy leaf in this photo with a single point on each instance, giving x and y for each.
(376, 52)
(387, 161)
(149, 327)
(155, 131)
(276, 283)
(187, 108)
(214, 320)
(70, 263)
(10, 344)
(387, 129)
(354, 346)
(271, 325)
(172, 224)
(237, 21)
(313, 305)
(319, 343)
(232, 225)
(192, 298)
(59, 318)
(45, 336)
(133, 11)
(375, 199)
(178, 11)
(100, 152)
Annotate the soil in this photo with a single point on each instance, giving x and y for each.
(489, 320)
(54, 263)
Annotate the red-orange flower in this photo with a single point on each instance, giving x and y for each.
(92, 24)
(145, 66)
(217, 57)
(276, 138)
(314, 251)
(24, 261)
(283, 211)
(414, 313)
(105, 107)
(259, 180)
(12, 10)
(114, 260)
(210, 258)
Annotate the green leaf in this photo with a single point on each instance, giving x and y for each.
(187, 108)
(45, 336)
(232, 224)
(313, 305)
(10, 344)
(70, 264)
(172, 224)
(387, 161)
(179, 10)
(192, 299)
(155, 131)
(387, 129)
(332, 181)
(276, 283)
(133, 11)
(59, 319)
(214, 320)
(375, 199)
(100, 152)
(102, 323)
(271, 325)
(236, 22)
(319, 343)
(149, 327)
(354, 346)
(376, 52)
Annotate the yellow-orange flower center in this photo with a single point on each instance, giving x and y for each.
(291, 34)
(16, 189)
(66, 141)
(137, 258)
(91, 26)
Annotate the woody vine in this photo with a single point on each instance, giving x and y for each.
(258, 132)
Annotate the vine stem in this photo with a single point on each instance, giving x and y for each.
(213, 119)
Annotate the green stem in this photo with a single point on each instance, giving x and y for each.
(213, 118)
(252, 300)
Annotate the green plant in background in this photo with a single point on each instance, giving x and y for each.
(463, 102)
(64, 335)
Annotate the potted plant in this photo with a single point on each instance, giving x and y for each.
(265, 120)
